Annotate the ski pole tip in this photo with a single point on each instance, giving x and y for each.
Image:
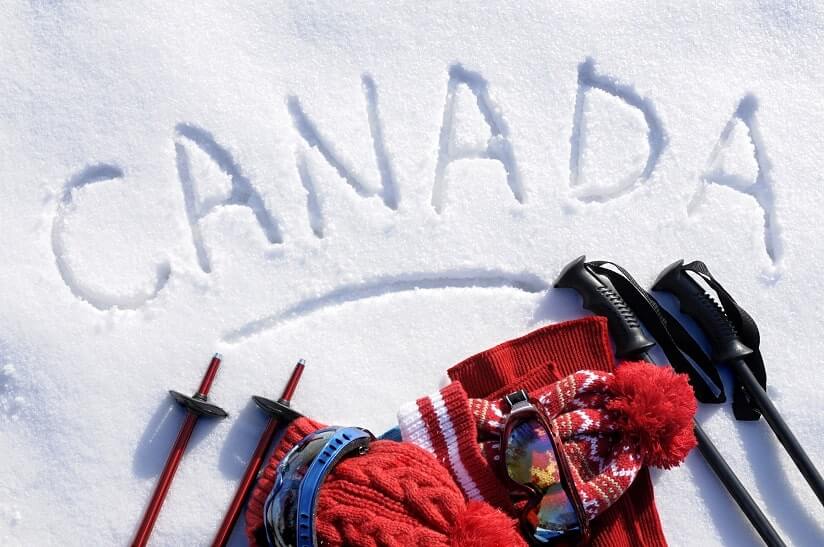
(302, 361)
(218, 356)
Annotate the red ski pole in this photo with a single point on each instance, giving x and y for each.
(197, 406)
(278, 410)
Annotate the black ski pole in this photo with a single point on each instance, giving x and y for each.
(728, 348)
(600, 297)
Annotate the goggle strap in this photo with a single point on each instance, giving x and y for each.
(344, 441)
(516, 398)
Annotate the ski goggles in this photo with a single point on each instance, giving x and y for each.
(289, 512)
(538, 472)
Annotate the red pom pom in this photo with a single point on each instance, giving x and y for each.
(656, 406)
(481, 525)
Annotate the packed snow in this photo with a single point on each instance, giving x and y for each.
(382, 190)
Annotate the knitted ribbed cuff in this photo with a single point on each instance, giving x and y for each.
(537, 359)
(443, 425)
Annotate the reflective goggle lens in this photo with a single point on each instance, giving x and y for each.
(555, 515)
(281, 505)
(531, 461)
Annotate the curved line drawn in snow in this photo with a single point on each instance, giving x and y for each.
(12, 399)
(390, 285)
(90, 175)
(656, 135)
(498, 146)
(762, 188)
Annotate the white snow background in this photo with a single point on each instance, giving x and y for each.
(418, 175)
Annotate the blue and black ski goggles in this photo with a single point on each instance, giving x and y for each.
(289, 512)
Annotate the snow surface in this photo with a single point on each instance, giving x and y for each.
(416, 177)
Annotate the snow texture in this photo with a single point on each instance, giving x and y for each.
(383, 190)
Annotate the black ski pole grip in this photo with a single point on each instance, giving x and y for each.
(601, 298)
(695, 302)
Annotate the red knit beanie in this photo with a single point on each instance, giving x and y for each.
(396, 495)
(610, 426)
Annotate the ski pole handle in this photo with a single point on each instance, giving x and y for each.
(695, 302)
(601, 298)
(625, 330)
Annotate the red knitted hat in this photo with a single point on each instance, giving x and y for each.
(610, 425)
(396, 495)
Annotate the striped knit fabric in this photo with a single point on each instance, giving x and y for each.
(444, 426)
(450, 425)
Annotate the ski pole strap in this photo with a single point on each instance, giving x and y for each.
(743, 406)
(682, 351)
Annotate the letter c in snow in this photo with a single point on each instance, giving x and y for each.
(101, 301)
